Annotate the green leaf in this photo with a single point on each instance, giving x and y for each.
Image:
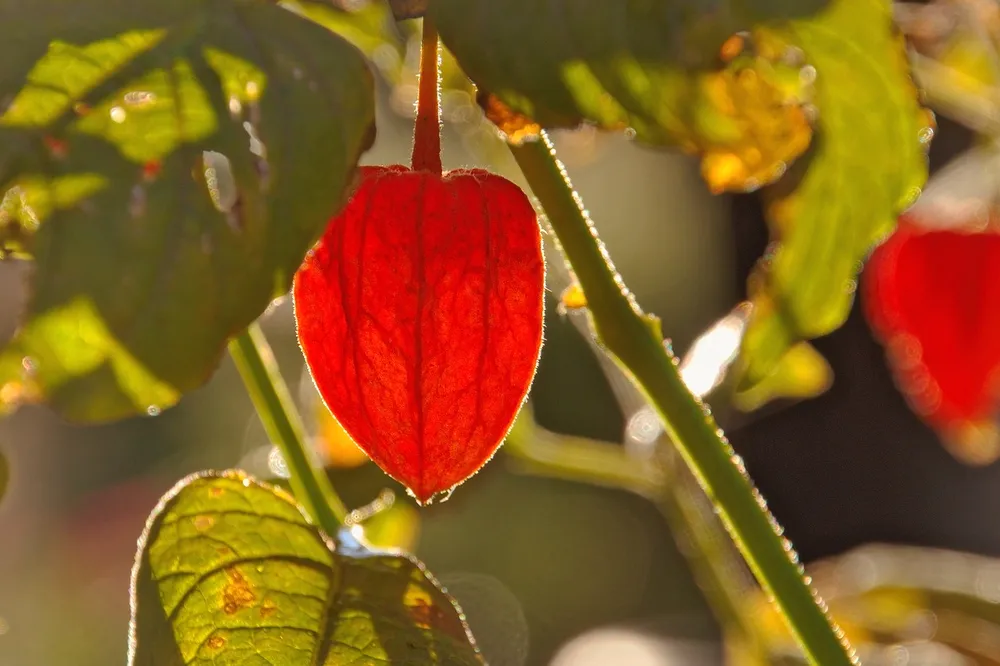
(230, 572)
(801, 373)
(368, 27)
(868, 165)
(616, 64)
(178, 158)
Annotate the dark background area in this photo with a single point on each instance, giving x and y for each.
(855, 465)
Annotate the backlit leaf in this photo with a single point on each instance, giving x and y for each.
(801, 373)
(230, 573)
(368, 26)
(868, 165)
(152, 146)
(659, 68)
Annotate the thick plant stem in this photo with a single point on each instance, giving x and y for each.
(281, 420)
(634, 341)
(427, 128)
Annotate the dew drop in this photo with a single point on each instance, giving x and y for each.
(643, 429)
(153, 410)
(276, 463)
(253, 90)
(29, 366)
(118, 114)
(235, 107)
(220, 181)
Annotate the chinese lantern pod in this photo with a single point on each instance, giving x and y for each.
(420, 315)
(933, 298)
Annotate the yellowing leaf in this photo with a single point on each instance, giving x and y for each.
(230, 573)
(801, 373)
(148, 164)
(867, 164)
(753, 123)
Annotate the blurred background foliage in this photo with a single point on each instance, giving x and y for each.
(549, 571)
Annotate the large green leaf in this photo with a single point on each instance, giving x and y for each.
(179, 158)
(648, 64)
(626, 63)
(868, 165)
(229, 573)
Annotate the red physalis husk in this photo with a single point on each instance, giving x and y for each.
(933, 297)
(420, 316)
(420, 311)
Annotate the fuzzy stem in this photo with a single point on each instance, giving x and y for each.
(427, 128)
(269, 393)
(635, 342)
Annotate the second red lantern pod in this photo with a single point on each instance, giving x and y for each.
(933, 297)
(420, 310)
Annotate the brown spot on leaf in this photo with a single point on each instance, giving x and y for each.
(422, 613)
(516, 127)
(238, 594)
(268, 608)
(216, 642)
(203, 523)
(215, 492)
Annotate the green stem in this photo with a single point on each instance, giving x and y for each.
(634, 341)
(281, 420)
(545, 453)
(715, 564)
